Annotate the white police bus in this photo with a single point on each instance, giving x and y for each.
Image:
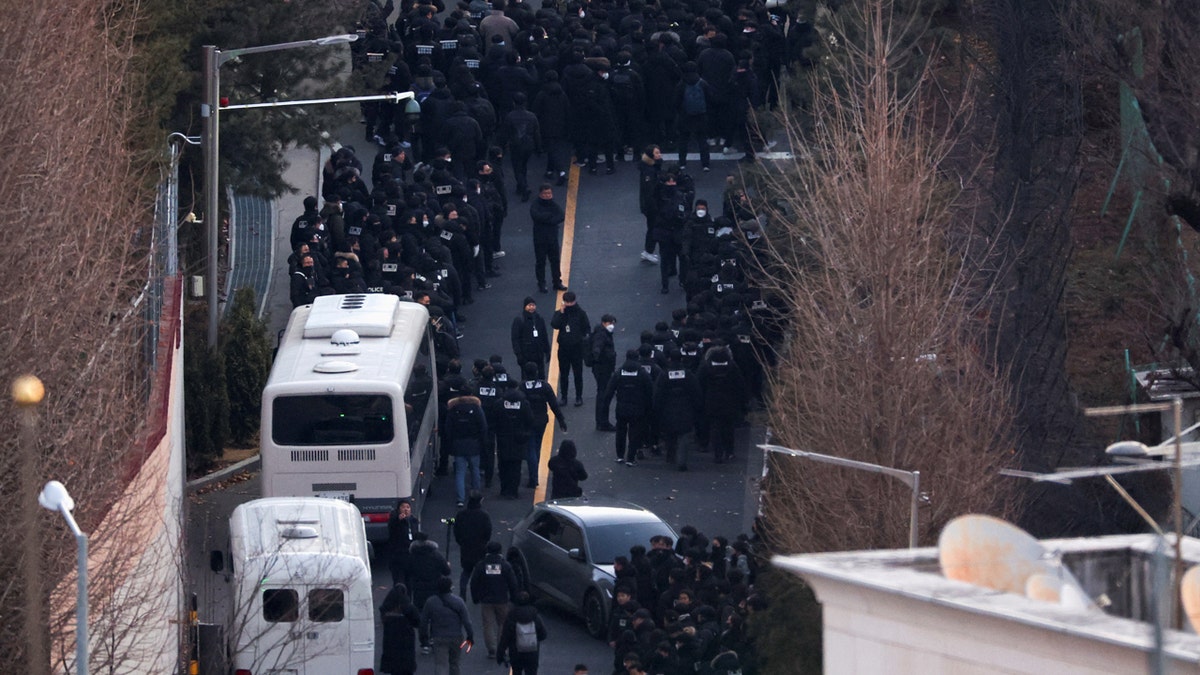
(350, 409)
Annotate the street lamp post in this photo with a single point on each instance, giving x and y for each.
(910, 478)
(210, 110)
(55, 498)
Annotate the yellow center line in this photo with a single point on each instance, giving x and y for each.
(568, 244)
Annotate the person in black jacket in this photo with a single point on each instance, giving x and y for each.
(513, 647)
(530, 340)
(602, 357)
(547, 217)
(400, 618)
(493, 586)
(472, 531)
(634, 391)
(676, 396)
(425, 566)
(513, 428)
(724, 398)
(648, 171)
(521, 133)
(552, 108)
(565, 472)
(304, 282)
(540, 395)
(403, 527)
(573, 328)
(466, 434)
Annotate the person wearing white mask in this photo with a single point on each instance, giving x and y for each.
(601, 357)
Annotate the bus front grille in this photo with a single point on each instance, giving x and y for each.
(361, 455)
(310, 455)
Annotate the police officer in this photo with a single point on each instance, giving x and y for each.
(493, 587)
(573, 328)
(513, 428)
(602, 357)
(634, 392)
(724, 395)
(530, 340)
(676, 395)
(540, 395)
(547, 217)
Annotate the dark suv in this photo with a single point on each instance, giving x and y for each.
(564, 550)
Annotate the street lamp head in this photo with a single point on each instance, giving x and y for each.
(1127, 449)
(336, 39)
(28, 390)
(54, 496)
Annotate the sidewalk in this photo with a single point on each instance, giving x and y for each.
(303, 174)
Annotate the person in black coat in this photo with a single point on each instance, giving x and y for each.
(676, 396)
(723, 392)
(573, 328)
(565, 472)
(596, 117)
(634, 391)
(403, 527)
(602, 357)
(692, 97)
(530, 339)
(540, 395)
(425, 566)
(493, 586)
(648, 170)
(522, 662)
(400, 618)
(513, 428)
(472, 531)
(462, 134)
(661, 74)
(552, 107)
(547, 217)
(521, 133)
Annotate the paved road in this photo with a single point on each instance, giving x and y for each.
(603, 242)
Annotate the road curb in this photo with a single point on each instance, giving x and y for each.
(248, 464)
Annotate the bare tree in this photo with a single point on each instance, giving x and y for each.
(874, 252)
(75, 201)
(1140, 56)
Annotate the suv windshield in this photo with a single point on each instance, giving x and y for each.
(606, 542)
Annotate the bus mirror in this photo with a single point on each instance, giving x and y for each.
(216, 561)
(576, 554)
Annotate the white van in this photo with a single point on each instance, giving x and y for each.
(301, 577)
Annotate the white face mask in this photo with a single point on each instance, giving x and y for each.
(701, 213)
(611, 327)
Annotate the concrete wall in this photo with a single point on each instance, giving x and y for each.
(868, 631)
(137, 607)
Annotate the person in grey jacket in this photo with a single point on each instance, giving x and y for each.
(444, 623)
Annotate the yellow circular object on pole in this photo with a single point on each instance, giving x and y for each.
(28, 390)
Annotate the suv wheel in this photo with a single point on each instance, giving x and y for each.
(593, 615)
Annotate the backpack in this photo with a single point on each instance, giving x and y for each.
(693, 98)
(463, 419)
(622, 82)
(527, 637)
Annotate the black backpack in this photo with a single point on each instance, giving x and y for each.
(623, 85)
(694, 102)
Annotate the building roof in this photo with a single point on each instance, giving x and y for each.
(1096, 561)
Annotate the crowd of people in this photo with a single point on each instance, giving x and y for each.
(679, 607)
(612, 80)
(599, 78)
